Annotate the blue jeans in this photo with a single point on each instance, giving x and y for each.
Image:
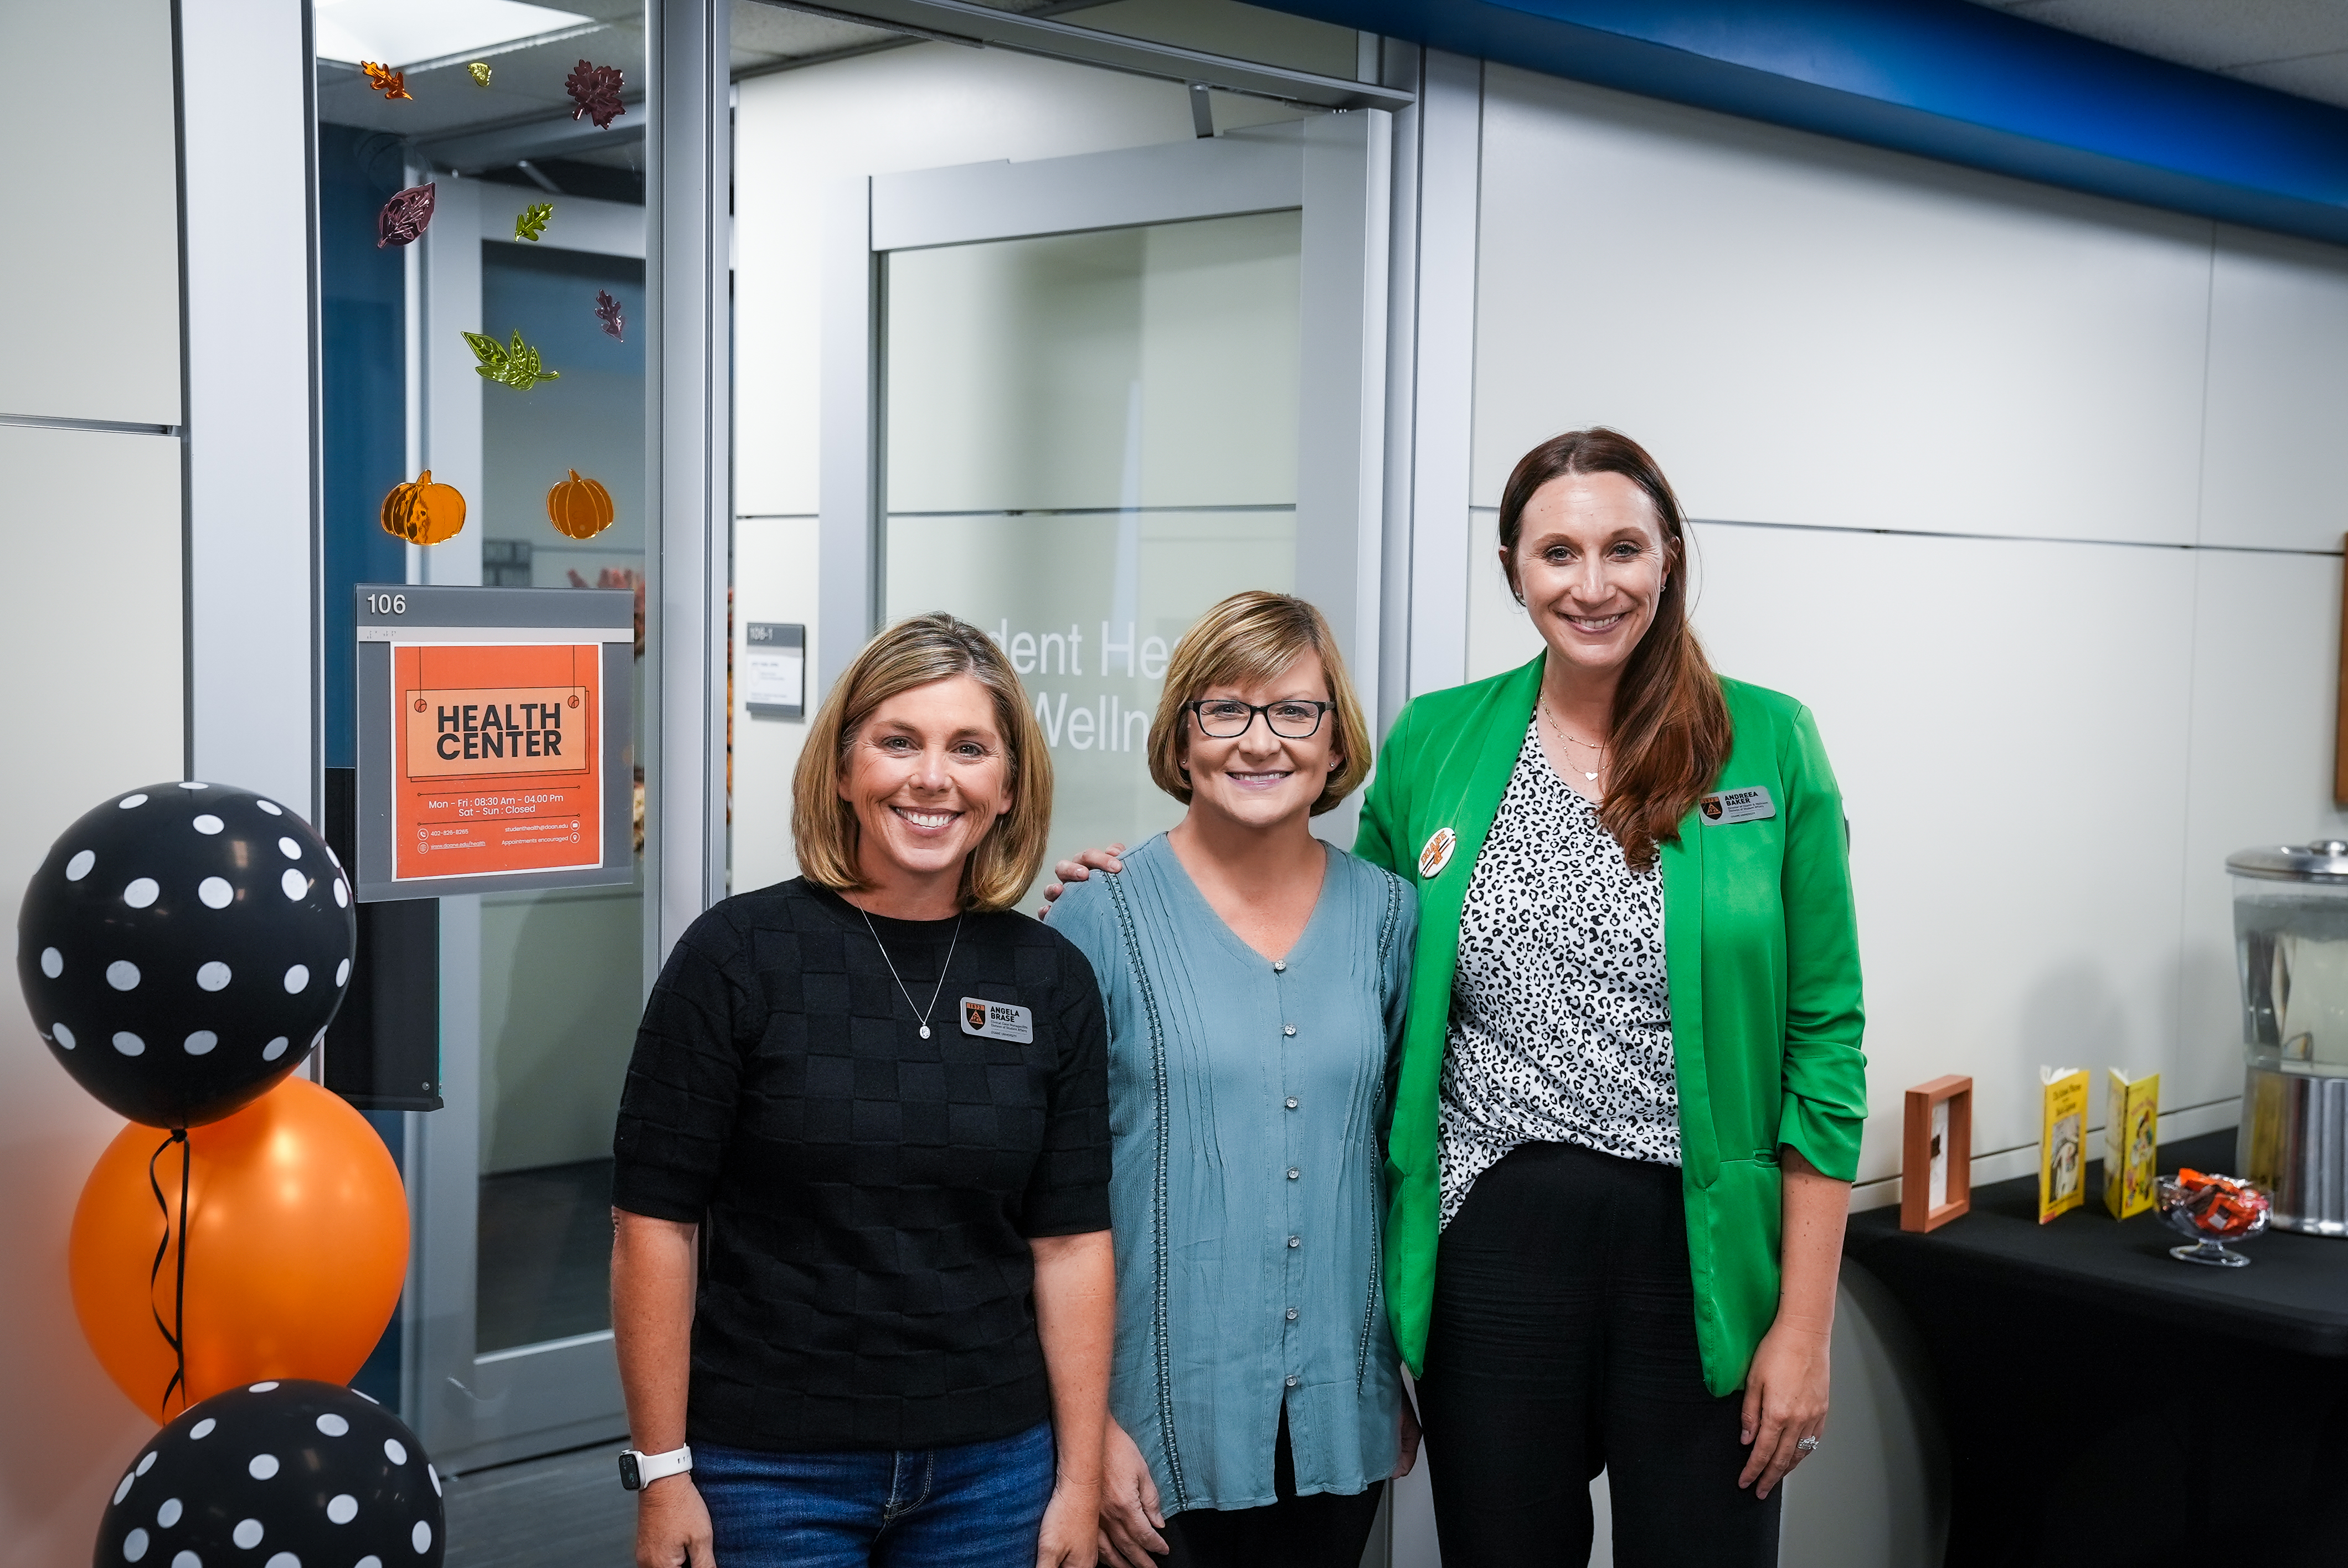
(980, 1505)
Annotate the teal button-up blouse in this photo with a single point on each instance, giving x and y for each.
(1248, 1102)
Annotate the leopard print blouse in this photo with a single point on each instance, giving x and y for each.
(1561, 1027)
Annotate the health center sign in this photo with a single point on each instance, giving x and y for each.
(494, 747)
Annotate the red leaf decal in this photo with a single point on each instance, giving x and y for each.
(406, 216)
(595, 93)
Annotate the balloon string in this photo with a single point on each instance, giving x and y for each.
(175, 1336)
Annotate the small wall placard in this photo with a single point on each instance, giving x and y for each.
(1936, 1166)
(774, 676)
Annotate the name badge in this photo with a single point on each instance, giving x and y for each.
(998, 1021)
(1731, 806)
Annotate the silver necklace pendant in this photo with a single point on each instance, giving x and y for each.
(1577, 740)
(922, 1015)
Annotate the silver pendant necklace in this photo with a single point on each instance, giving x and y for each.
(899, 979)
(1553, 724)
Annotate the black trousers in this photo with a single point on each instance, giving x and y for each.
(1321, 1531)
(1564, 1343)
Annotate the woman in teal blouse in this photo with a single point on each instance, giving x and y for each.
(1256, 982)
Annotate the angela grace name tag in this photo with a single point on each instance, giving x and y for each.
(1730, 806)
(998, 1021)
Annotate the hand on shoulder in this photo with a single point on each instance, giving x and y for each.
(1080, 869)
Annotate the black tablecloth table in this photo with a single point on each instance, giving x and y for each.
(2104, 1403)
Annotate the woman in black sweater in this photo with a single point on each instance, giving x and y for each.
(875, 1098)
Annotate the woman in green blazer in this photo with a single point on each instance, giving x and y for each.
(1631, 1087)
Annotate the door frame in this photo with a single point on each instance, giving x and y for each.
(1335, 167)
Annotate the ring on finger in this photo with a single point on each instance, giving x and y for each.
(1808, 1445)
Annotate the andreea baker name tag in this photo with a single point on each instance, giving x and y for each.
(998, 1021)
(1730, 806)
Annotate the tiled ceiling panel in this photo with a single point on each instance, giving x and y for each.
(2297, 46)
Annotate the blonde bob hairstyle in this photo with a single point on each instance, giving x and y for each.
(918, 652)
(1245, 640)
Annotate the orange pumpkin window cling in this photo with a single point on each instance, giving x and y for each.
(422, 512)
(579, 508)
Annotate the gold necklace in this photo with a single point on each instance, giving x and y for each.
(1559, 728)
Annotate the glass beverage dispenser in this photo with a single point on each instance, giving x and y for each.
(2291, 945)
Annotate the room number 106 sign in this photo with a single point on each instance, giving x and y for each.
(494, 740)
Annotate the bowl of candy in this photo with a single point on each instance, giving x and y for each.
(2213, 1211)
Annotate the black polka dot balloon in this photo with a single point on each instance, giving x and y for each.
(291, 1474)
(182, 947)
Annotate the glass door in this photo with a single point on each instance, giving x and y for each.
(1102, 392)
(540, 990)
(1090, 438)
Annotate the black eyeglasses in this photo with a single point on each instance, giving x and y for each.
(1228, 718)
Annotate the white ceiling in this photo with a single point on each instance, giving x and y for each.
(2297, 46)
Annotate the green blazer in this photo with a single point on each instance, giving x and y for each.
(1761, 957)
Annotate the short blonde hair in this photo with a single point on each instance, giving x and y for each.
(1245, 640)
(918, 652)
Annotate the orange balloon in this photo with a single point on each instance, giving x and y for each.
(296, 1254)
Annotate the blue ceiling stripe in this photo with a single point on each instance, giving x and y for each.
(1939, 77)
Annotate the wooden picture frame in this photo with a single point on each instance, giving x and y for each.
(1937, 1153)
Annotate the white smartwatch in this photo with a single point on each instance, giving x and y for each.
(639, 1470)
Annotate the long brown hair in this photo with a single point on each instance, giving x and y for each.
(1671, 733)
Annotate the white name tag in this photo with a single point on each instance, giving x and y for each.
(998, 1021)
(1734, 805)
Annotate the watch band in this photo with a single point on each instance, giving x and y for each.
(638, 1470)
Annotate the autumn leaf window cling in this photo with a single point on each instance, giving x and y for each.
(595, 94)
(607, 311)
(516, 365)
(480, 71)
(406, 216)
(533, 220)
(391, 83)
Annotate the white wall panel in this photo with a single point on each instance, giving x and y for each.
(92, 331)
(1875, 1494)
(773, 580)
(2266, 667)
(89, 623)
(2277, 471)
(252, 480)
(1501, 635)
(2008, 720)
(1813, 333)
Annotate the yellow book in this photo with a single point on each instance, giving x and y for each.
(2063, 1141)
(2131, 1142)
